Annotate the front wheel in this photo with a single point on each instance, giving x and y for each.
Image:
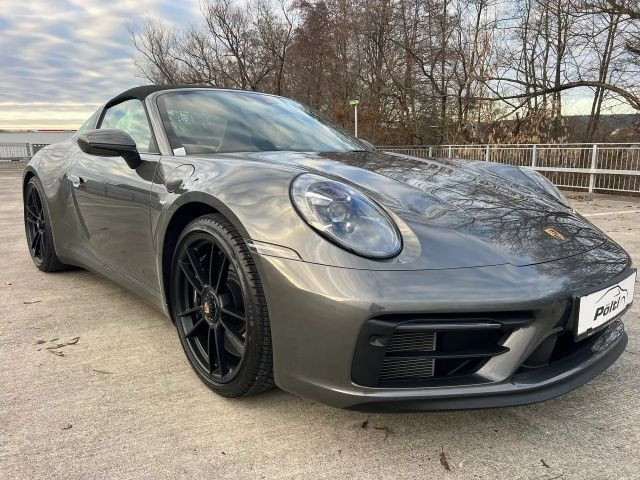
(219, 308)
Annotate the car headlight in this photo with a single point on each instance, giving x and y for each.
(345, 216)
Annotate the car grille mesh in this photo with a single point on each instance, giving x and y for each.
(414, 356)
(416, 350)
(406, 342)
(399, 368)
(406, 368)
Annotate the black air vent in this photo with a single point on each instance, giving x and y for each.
(417, 350)
(394, 369)
(408, 342)
(408, 362)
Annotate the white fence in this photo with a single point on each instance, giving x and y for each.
(608, 167)
(15, 151)
(16, 155)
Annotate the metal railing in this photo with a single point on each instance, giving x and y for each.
(608, 167)
(16, 155)
(15, 151)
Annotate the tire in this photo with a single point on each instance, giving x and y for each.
(37, 224)
(219, 308)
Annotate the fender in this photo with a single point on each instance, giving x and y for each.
(196, 197)
(166, 218)
(523, 176)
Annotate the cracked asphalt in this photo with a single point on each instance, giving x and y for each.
(94, 384)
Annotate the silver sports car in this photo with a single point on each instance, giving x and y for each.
(288, 252)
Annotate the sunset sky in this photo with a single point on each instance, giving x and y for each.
(61, 59)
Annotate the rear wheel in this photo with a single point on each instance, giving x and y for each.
(37, 224)
(219, 308)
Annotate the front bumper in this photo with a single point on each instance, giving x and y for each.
(318, 313)
(522, 388)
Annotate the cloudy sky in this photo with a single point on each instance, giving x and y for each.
(60, 59)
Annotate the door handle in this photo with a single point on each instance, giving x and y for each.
(76, 181)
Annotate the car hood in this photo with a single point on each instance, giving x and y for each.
(462, 214)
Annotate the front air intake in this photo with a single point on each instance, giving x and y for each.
(416, 350)
(407, 342)
(400, 362)
(399, 369)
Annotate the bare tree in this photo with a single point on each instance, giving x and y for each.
(423, 70)
(275, 34)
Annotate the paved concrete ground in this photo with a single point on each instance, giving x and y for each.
(123, 403)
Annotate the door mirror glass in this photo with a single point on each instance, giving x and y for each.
(110, 142)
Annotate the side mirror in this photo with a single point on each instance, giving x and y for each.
(110, 142)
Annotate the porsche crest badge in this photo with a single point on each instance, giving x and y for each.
(554, 233)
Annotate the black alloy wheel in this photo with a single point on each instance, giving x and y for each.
(219, 308)
(37, 225)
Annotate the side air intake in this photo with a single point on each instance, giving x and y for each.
(409, 351)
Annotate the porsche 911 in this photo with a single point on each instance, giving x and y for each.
(287, 252)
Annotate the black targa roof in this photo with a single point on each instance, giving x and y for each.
(144, 91)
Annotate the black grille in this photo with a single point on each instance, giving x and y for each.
(407, 342)
(408, 368)
(409, 351)
(394, 369)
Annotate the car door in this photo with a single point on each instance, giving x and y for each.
(112, 200)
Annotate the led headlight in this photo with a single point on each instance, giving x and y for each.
(345, 216)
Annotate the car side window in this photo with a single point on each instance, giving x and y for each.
(131, 117)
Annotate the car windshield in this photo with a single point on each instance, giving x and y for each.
(209, 121)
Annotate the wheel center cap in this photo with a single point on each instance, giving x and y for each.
(210, 306)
